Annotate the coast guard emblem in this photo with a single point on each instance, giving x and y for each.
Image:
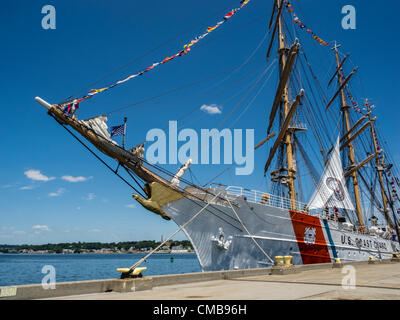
(220, 241)
(336, 186)
(309, 236)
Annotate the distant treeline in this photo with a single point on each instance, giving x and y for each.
(85, 246)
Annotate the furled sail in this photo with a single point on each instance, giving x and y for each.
(331, 190)
(99, 126)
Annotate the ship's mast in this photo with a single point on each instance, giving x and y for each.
(345, 109)
(379, 167)
(287, 140)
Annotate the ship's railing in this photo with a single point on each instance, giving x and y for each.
(298, 125)
(268, 199)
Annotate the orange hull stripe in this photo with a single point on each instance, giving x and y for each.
(310, 238)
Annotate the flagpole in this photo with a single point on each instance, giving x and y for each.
(123, 136)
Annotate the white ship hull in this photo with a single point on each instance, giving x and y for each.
(222, 243)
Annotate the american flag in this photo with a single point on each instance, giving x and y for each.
(117, 130)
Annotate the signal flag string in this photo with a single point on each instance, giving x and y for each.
(184, 51)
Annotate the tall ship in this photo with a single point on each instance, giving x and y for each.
(317, 137)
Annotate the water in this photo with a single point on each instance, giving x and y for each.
(18, 269)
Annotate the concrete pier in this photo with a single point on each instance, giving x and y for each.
(380, 280)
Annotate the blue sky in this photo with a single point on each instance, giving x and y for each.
(52, 190)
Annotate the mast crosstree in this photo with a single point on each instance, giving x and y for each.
(345, 109)
(287, 109)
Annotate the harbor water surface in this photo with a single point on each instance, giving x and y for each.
(16, 269)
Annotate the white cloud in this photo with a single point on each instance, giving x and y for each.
(75, 179)
(95, 230)
(211, 109)
(58, 193)
(36, 175)
(41, 228)
(90, 196)
(30, 187)
(130, 206)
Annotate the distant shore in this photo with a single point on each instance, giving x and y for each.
(126, 247)
(73, 253)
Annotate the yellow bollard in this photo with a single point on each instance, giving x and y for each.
(372, 260)
(136, 273)
(278, 260)
(283, 265)
(395, 257)
(337, 263)
(288, 260)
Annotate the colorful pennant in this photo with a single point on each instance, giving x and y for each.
(186, 49)
(392, 183)
(302, 25)
(354, 104)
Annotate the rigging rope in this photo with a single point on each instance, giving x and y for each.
(245, 62)
(169, 92)
(186, 49)
(245, 228)
(254, 98)
(143, 55)
(239, 92)
(247, 93)
(322, 122)
(159, 168)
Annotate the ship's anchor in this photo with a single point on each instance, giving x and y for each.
(220, 241)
